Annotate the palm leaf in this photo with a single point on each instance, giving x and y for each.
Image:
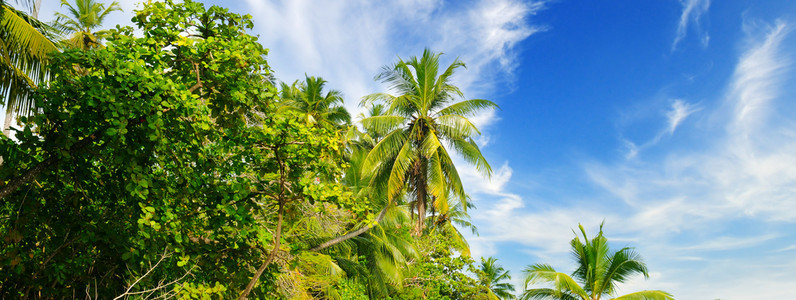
(455, 126)
(470, 152)
(467, 107)
(382, 124)
(403, 161)
(23, 50)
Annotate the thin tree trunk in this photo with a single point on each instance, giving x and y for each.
(352, 234)
(268, 261)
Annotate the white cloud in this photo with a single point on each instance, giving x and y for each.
(675, 115)
(680, 110)
(692, 13)
(757, 78)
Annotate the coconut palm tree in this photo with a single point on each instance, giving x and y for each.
(599, 271)
(491, 275)
(421, 118)
(307, 98)
(24, 45)
(82, 21)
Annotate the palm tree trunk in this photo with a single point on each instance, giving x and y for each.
(7, 123)
(36, 8)
(420, 188)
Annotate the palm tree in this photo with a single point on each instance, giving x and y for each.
(490, 276)
(307, 98)
(83, 18)
(419, 119)
(456, 215)
(24, 45)
(599, 271)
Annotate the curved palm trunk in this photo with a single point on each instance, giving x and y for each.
(352, 234)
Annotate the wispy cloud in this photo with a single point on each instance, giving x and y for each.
(679, 111)
(731, 243)
(692, 13)
(757, 78)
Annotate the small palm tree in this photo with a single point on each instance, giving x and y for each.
(82, 22)
(420, 120)
(491, 276)
(307, 97)
(599, 271)
(456, 215)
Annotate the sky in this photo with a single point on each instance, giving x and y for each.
(668, 120)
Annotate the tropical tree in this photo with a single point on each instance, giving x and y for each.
(598, 273)
(491, 276)
(82, 21)
(420, 119)
(307, 98)
(24, 47)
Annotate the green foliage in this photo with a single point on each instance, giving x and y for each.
(149, 149)
(440, 273)
(168, 165)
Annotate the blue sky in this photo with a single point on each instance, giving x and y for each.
(670, 120)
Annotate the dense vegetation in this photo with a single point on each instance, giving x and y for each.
(172, 163)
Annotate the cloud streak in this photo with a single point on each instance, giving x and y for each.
(692, 13)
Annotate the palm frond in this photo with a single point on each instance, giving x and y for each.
(621, 265)
(382, 124)
(467, 108)
(470, 152)
(403, 161)
(24, 48)
(456, 127)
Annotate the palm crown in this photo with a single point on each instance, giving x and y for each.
(420, 119)
(307, 98)
(85, 16)
(492, 275)
(598, 273)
